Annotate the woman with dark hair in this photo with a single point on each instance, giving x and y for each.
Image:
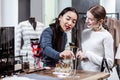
(54, 38)
(97, 42)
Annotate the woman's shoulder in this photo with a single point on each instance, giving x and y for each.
(108, 34)
(86, 31)
(47, 30)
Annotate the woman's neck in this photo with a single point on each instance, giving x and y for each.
(99, 28)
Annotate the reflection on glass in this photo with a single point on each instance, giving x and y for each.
(25, 66)
(64, 66)
(67, 69)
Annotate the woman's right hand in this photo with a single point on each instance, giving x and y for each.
(67, 54)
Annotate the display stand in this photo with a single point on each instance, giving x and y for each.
(6, 51)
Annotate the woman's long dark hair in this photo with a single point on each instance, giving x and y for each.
(57, 33)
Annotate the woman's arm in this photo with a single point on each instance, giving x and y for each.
(46, 44)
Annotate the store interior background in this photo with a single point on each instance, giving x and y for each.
(14, 11)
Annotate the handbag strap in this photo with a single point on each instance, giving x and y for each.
(104, 62)
(102, 67)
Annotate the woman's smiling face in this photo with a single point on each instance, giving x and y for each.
(68, 20)
(91, 21)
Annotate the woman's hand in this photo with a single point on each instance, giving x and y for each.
(67, 54)
(80, 55)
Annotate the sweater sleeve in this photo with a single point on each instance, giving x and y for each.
(117, 56)
(46, 44)
(108, 53)
(18, 37)
(109, 50)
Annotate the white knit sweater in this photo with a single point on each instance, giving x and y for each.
(95, 45)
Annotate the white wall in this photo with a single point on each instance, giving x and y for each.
(49, 11)
(53, 8)
(109, 5)
(62, 4)
(0, 12)
(37, 10)
(43, 10)
(9, 12)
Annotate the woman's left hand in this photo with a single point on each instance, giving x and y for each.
(80, 55)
